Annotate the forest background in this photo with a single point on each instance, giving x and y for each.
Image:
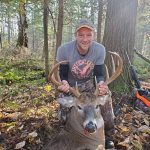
(30, 33)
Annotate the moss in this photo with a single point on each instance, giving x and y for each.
(11, 105)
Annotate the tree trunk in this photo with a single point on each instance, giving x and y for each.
(45, 22)
(22, 24)
(60, 25)
(9, 24)
(1, 41)
(92, 11)
(119, 33)
(100, 13)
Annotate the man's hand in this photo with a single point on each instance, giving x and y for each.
(64, 87)
(103, 88)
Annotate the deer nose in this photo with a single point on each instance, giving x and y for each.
(90, 127)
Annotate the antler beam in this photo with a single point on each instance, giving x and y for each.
(52, 77)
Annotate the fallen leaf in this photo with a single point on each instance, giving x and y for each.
(54, 115)
(1, 115)
(137, 144)
(145, 135)
(9, 128)
(1, 148)
(144, 128)
(33, 134)
(48, 88)
(128, 117)
(136, 137)
(137, 122)
(146, 122)
(20, 145)
(20, 128)
(123, 128)
(126, 141)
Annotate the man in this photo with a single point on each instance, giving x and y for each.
(85, 60)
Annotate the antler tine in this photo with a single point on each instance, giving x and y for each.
(77, 89)
(52, 74)
(96, 90)
(113, 64)
(52, 77)
(107, 73)
(117, 71)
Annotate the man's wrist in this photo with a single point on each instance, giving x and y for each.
(65, 82)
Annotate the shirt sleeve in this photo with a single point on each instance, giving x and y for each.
(61, 55)
(100, 55)
(63, 68)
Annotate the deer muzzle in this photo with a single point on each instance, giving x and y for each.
(90, 127)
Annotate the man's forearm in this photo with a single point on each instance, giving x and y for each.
(63, 71)
(99, 72)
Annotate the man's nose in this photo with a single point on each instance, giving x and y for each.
(85, 38)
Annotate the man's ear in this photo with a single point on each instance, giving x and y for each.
(95, 35)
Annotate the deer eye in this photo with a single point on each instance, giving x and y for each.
(97, 106)
(79, 107)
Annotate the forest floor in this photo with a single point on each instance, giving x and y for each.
(28, 118)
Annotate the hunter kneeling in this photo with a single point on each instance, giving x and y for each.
(89, 110)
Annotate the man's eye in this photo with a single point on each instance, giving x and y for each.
(89, 35)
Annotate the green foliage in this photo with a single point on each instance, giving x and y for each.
(11, 76)
(12, 105)
(119, 87)
(142, 67)
(20, 72)
(36, 101)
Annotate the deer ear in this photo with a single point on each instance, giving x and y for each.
(68, 101)
(101, 100)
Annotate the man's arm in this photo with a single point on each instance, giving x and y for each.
(63, 71)
(99, 72)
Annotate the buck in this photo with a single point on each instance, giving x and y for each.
(84, 128)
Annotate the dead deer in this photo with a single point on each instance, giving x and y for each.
(84, 128)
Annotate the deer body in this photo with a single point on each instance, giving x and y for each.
(74, 136)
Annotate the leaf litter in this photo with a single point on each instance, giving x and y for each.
(28, 120)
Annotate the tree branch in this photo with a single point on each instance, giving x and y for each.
(141, 56)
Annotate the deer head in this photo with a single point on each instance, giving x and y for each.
(87, 104)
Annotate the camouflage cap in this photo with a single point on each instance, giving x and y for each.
(84, 23)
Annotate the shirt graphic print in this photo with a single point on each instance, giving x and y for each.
(82, 68)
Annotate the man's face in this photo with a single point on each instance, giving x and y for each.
(84, 38)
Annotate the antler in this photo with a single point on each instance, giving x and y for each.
(57, 82)
(115, 72)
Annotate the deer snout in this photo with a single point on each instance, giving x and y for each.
(90, 127)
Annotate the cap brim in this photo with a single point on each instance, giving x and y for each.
(84, 26)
